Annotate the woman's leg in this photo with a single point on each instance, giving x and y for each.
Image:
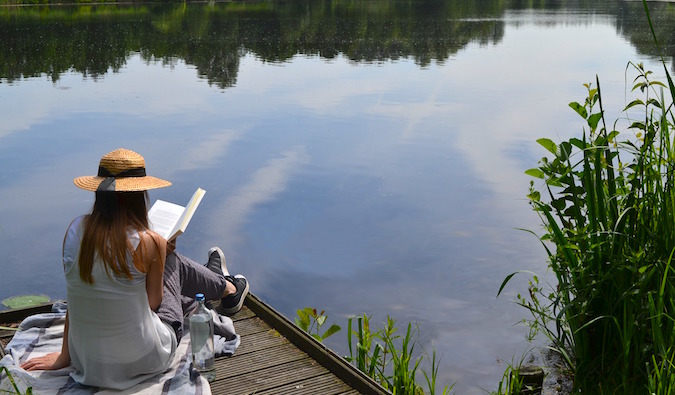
(196, 278)
(183, 279)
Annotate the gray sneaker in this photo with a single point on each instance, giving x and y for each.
(216, 262)
(232, 303)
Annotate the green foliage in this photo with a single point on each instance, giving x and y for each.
(520, 380)
(661, 379)
(311, 321)
(377, 353)
(29, 390)
(17, 302)
(388, 358)
(430, 377)
(94, 38)
(609, 212)
(511, 382)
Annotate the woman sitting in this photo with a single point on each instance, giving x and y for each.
(127, 288)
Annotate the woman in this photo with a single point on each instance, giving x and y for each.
(128, 290)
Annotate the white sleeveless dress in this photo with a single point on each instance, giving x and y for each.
(115, 340)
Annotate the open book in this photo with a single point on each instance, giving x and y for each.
(169, 220)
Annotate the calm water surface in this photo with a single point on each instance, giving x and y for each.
(377, 172)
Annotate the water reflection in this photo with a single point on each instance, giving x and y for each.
(358, 156)
(96, 39)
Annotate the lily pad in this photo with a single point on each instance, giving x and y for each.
(17, 302)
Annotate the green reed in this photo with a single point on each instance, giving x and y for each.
(511, 382)
(15, 387)
(609, 210)
(390, 358)
(377, 352)
(661, 377)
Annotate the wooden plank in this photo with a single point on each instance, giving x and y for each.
(326, 384)
(242, 314)
(6, 334)
(316, 350)
(17, 315)
(265, 379)
(259, 341)
(241, 364)
(250, 326)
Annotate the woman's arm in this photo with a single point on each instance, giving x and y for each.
(152, 253)
(53, 361)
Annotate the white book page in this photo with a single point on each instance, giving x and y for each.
(187, 213)
(163, 217)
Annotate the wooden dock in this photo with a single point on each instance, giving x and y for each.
(274, 357)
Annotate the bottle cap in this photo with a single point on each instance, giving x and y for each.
(199, 297)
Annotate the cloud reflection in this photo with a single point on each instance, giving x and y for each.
(207, 150)
(264, 185)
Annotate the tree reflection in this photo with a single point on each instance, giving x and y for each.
(93, 40)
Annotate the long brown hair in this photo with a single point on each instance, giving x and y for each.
(105, 231)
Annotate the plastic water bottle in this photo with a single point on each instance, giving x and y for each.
(201, 339)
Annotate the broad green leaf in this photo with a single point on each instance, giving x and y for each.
(303, 319)
(554, 183)
(612, 135)
(637, 125)
(536, 173)
(17, 302)
(565, 150)
(636, 102)
(558, 204)
(549, 145)
(654, 103)
(536, 196)
(320, 319)
(593, 120)
(581, 110)
(578, 143)
(639, 85)
(331, 331)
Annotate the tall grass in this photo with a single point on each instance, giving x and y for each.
(607, 207)
(383, 354)
(390, 358)
(14, 387)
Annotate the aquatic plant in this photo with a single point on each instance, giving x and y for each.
(609, 211)
(520, 379)
(378, 354)
(311, 321)
(17, 391)
(21, 301)
(511, 382)
(661, 376)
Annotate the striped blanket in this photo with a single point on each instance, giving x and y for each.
(41, 334)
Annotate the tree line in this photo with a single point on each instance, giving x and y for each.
(213, 37)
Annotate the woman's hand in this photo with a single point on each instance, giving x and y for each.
(51, 361)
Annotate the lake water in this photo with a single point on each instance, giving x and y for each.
(358, 157)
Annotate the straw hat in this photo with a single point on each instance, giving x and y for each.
(121, 170)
